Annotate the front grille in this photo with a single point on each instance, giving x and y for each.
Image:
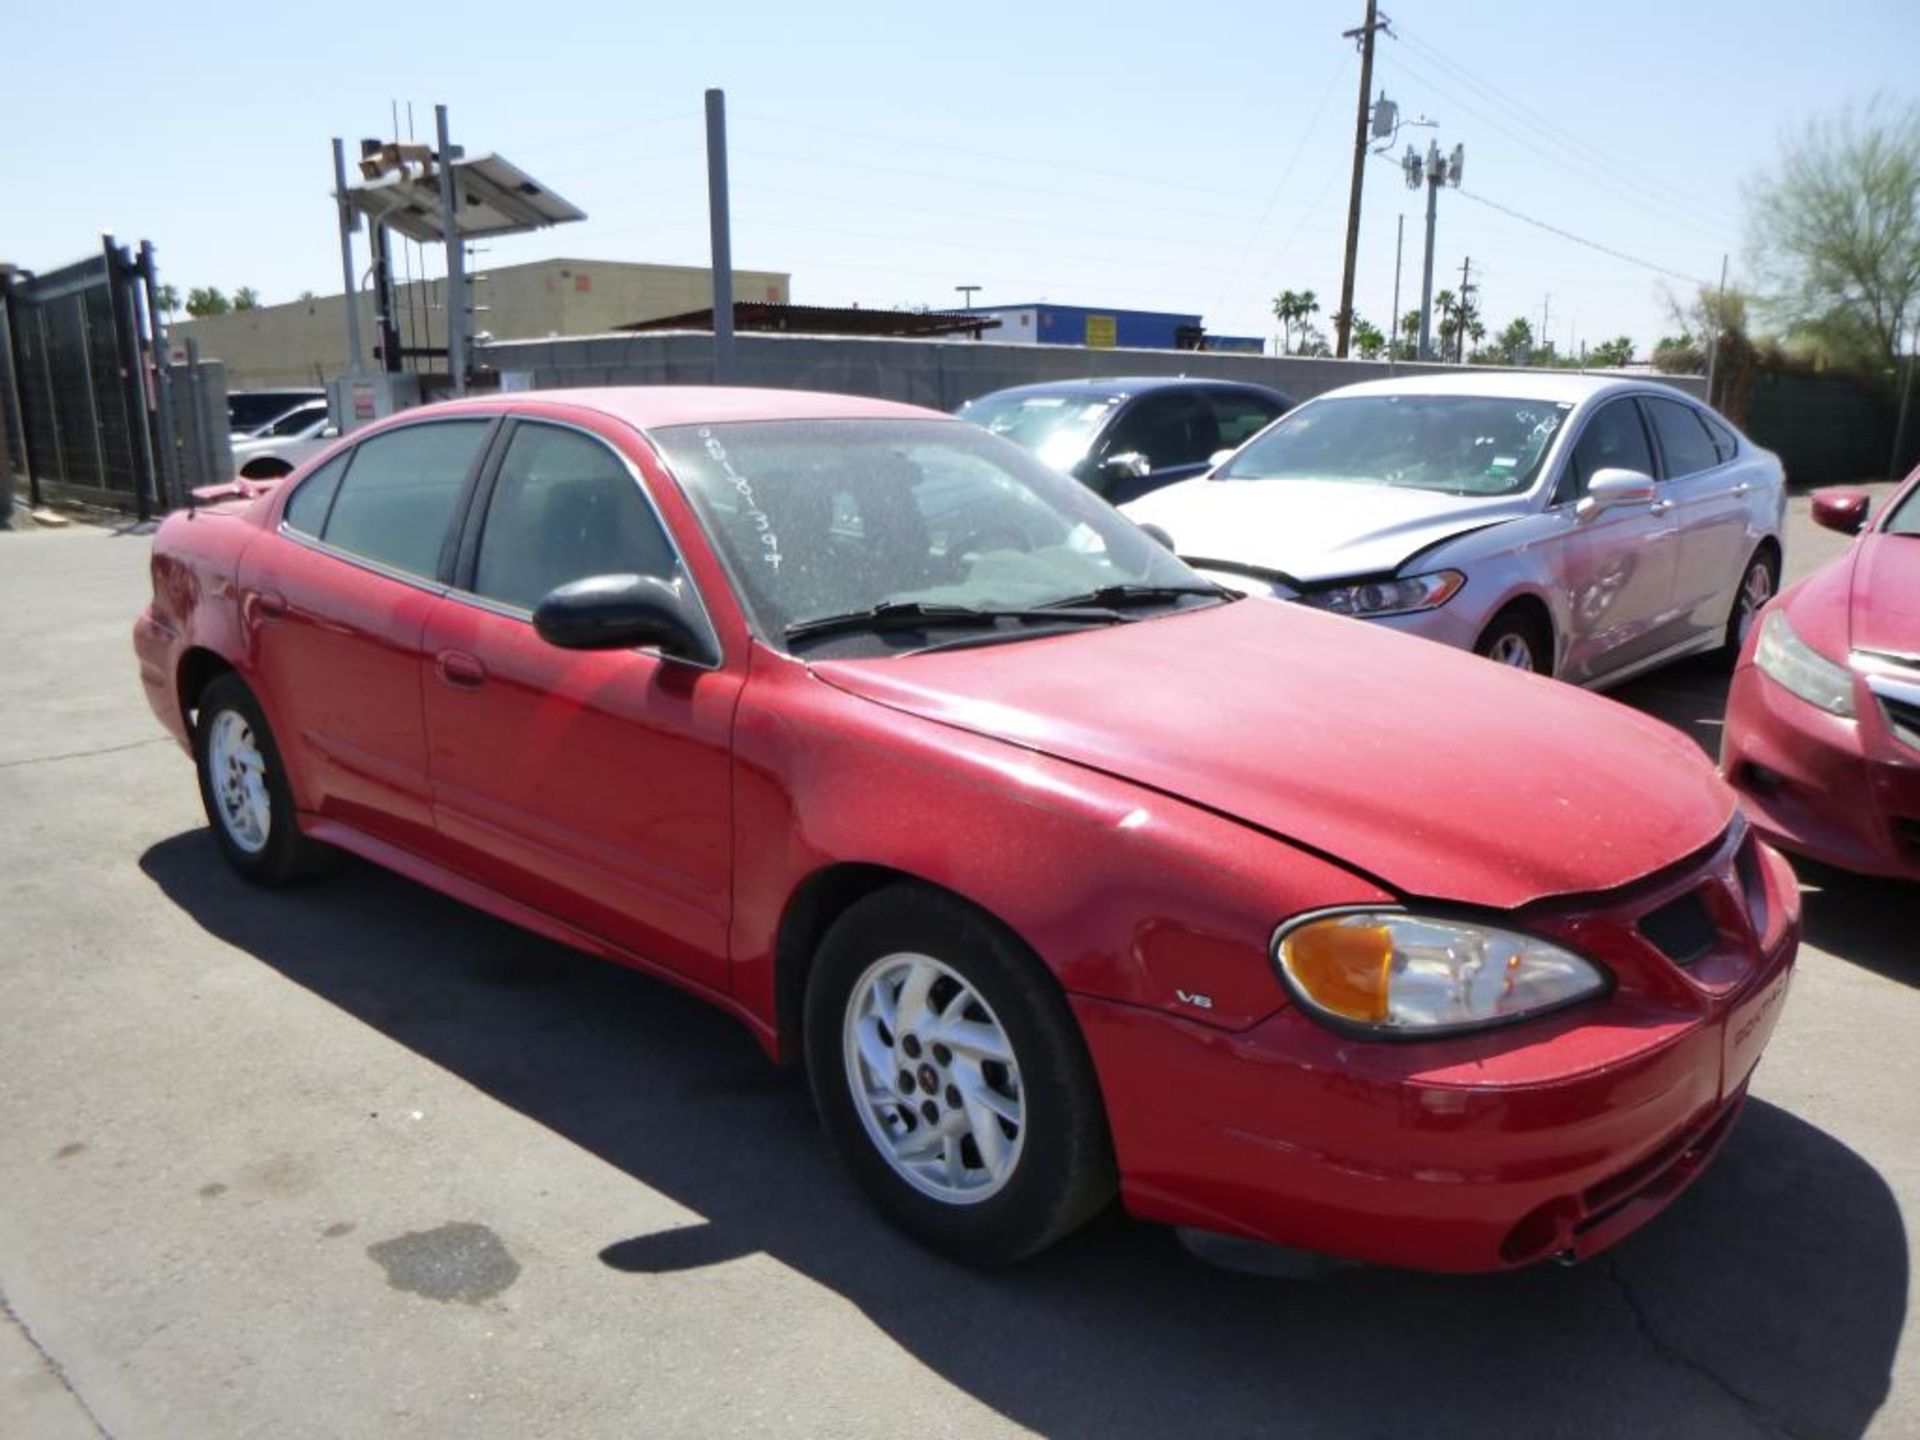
(1681, 929)
(1753, 886)
(1903, 718)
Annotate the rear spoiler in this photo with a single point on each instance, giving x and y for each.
(235, 489)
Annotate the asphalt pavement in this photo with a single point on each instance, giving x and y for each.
(353, 1160)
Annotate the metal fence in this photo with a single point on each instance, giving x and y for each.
(96, 413)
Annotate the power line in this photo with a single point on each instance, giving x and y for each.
(1582, 240)
(1594, 154)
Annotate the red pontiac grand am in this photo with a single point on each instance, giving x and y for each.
(1823, 720)
(1066, 872)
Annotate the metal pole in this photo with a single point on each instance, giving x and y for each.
(1426, 278)
(1906, 395)
(1343, 322)
(1393, 321)
(9, 311)
(210, 472)
(1713, 340)
(350, 292)
(722, 229)
(162, 379)
(383, 305)
(456, 261)
(133, 380)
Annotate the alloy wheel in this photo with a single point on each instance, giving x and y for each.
(238, 772)
(934, 1078)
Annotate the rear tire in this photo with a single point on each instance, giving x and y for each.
(1517, 639)
(952, 1079)
(243, 785)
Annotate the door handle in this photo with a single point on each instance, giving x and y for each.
(270, 604)
(1659, 507)
(1742, 488)
(458, 668)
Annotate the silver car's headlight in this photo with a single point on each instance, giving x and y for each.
(1392, 973)
(1373, 598)
(1801, 669)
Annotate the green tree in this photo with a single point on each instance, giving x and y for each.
(1295, 309)
(1368, 341)
(207, 300)
(167, 298)
(1459, 317)
(1611, 354)
(1514, 343)
(1408, 345)
(1834, 233)
(246, 298)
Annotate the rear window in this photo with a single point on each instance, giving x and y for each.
(1685, 443)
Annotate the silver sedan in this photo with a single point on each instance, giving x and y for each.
(1582, 527)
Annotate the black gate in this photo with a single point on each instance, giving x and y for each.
(96, 414)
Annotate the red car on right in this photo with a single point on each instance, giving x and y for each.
(1822, 738)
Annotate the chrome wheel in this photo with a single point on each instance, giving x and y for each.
(934, 1078)
(1755, 591)
(238, 775)
(1511, 649)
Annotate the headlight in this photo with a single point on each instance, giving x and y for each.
(1399, 974)
(1373, 598)
(1801, 669)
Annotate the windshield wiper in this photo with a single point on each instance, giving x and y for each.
(923, 615)
(1132, 594)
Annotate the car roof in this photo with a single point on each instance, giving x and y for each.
(649, 407)
(1551, 385)
(1122, 386)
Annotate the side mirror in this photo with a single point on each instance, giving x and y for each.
(1842, 510)
(1129, 466)
(1611, 487)
(623, 612)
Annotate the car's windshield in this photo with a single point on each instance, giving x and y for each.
(1057, 428)
(821, 518)
(1459, 444)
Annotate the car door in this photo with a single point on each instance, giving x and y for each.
(592, 785)
(1175, 429)
(336, 603)
(1614, 567)
(1709, 498)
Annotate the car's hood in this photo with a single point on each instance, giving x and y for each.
(1425, 767)
(1885, 600)
(1313, 530)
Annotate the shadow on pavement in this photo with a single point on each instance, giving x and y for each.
(1861, 919)
(1769, 1299)
(1691, 696)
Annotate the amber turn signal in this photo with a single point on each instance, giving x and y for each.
(1342, 963)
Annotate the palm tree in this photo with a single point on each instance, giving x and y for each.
(1295, 309)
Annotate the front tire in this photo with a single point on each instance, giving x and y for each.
(1758, 584)
(243, 785)
(952, 1080)
(1518, 640)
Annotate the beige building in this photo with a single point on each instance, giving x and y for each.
(305, 342)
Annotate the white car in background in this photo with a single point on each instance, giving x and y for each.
(284, 445)
(1576, 526)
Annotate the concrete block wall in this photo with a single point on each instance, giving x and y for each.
(939, 374)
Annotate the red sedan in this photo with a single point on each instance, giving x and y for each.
(1065, 872)
(1823, 721)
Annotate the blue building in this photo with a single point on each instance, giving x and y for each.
(1106, 329)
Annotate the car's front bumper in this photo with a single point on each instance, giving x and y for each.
(1842, 791)
(1555, 1137)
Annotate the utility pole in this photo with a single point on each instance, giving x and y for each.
(1343, 322)
(1546, 308)
(348, 278)
(967, 293)
(1713, 340)
(1460, 312)
(1393, 323)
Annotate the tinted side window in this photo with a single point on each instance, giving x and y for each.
(1684, 442)
(1723, 442)
(1241, 417)
(564, 507)
(1172, 429)
(1614, 439)
(307, 510)
(400, 493)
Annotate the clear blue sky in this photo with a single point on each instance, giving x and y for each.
(1188, 158)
